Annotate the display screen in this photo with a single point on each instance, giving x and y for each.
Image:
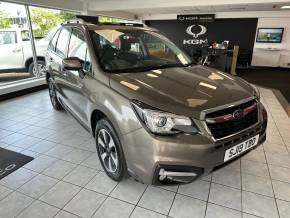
(270, 35)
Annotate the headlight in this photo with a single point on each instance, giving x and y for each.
(256, 92)
(160, 122)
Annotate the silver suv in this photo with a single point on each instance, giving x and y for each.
(154, 115)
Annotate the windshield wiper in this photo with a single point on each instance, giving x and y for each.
(148, 68)
(159, 66)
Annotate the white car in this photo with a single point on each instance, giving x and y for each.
(16, 51)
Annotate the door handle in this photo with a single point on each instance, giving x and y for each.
(16, 50)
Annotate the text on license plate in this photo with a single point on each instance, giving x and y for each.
(240, 148)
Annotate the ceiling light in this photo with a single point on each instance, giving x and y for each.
(285, 7)
(207, 85)
(238, 8)
(152, 75)
(130, 85)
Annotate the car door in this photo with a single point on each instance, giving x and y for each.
(76, 90)
(54, 59)
(11, 55)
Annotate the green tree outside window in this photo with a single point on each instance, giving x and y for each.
(5, 21)
(43, 20)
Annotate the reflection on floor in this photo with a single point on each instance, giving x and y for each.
(12, 76)
(274, 78)
(65, 178)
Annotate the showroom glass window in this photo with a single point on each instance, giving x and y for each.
(16, 56)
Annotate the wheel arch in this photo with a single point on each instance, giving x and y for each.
(96, 115)
(100, 113)
(30, 60)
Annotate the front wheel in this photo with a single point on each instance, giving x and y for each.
(110, 150)
(52, 95)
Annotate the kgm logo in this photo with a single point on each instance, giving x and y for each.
(195, 35)
(7, 169)
(195, 31)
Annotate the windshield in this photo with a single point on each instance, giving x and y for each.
(134, 50)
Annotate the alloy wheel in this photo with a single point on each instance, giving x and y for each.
(108, 151)
(41, 70)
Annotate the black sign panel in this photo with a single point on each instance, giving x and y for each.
(191, 35)
(200, 18)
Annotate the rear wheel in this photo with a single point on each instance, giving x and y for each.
(110, 150)
(52, 94)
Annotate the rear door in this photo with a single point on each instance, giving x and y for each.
(54, 59)
(76, 91)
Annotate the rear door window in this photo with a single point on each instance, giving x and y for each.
(52, 43)
(61, 45)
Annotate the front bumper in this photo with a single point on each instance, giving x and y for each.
(196, 154)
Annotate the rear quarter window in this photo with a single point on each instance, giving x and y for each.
(53, 41)
(62, 42)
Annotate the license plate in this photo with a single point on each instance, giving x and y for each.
(240, 148)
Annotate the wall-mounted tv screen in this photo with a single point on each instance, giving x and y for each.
(270, 35)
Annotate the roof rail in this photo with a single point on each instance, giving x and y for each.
(86, 19)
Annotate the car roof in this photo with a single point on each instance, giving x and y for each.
(95, 22)
(108, 26)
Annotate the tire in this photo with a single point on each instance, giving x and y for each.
(110, 150)
(41, 65)
(52, 94)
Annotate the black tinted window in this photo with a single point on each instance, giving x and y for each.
(61, 46)
(78, 48)
(52, 43)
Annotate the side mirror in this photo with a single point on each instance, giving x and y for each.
(72, 63)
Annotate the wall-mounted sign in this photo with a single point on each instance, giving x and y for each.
(201, 31)
(195, 31)
(199, 18)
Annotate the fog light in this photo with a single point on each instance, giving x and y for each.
(173, 176)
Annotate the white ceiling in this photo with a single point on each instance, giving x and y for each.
(209, 9)
(149, 7)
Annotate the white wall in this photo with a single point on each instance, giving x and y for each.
(273, 54)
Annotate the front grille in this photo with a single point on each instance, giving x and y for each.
(229, 127)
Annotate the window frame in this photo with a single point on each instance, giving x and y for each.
(69, 29)
(88, 72)
(56, 34)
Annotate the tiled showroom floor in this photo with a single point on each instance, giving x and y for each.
(65, 178)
